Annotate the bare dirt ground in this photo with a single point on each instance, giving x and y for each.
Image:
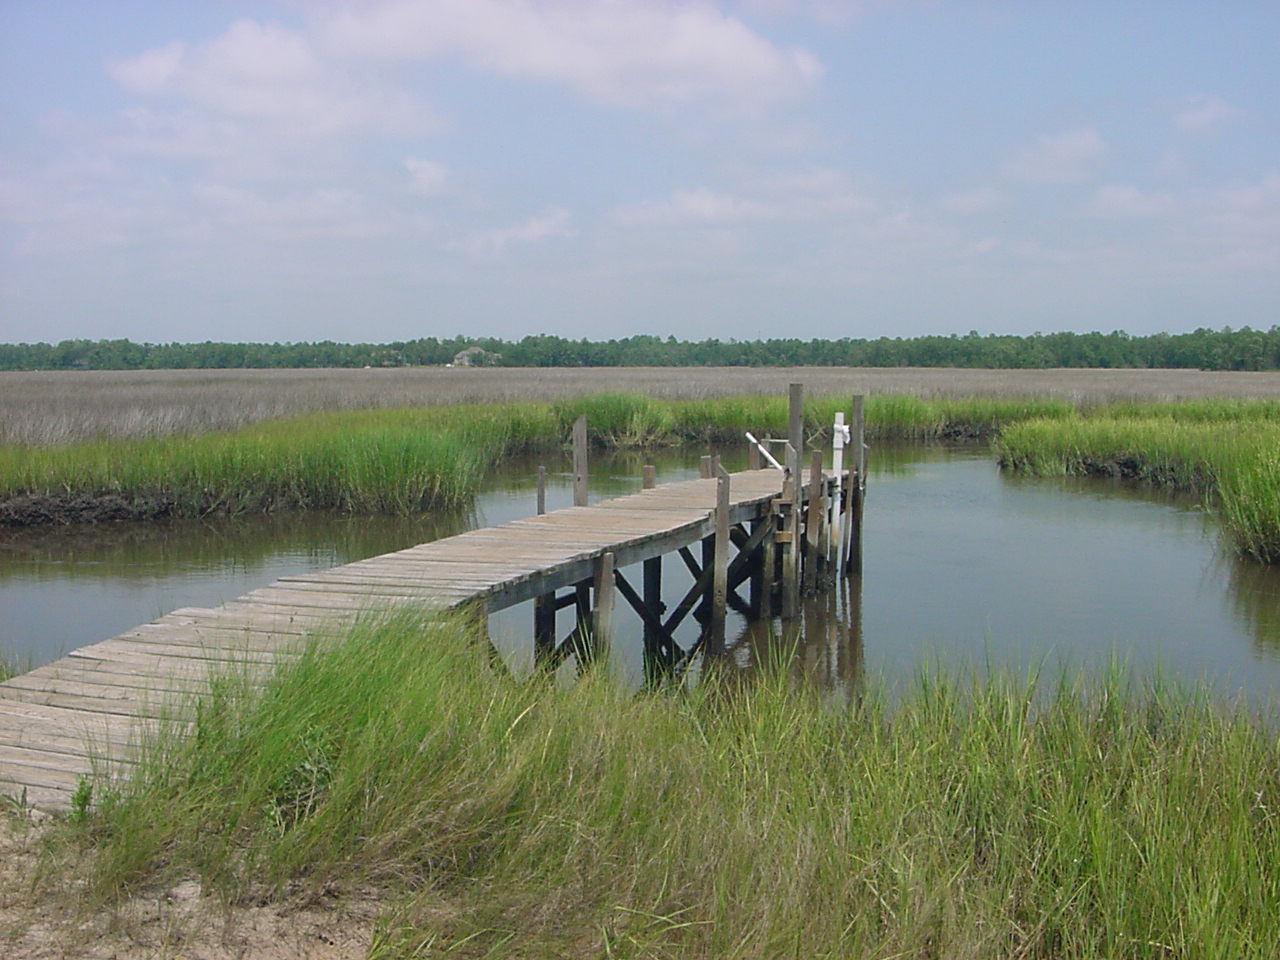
(65, 406)
(42, 915)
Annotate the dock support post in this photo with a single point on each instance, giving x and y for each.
(760, 564)
(857, 487)
(544, 607)
(720, 567)
(813, 523)
(703, 610)
(582, 636)
(602, 615)
(795, 421)
(580, 461)
(652, 587)
(704, 467)
(762, 582)
(790, 536)
(753, 457)
(654, 642)
(836, 516)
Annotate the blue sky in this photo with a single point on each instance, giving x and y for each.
(390, 169)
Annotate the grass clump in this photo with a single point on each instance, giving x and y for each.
(501, 817)
(364, 462)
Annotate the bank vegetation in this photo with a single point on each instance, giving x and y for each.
(991, 816)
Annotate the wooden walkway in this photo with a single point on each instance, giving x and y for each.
(83, 715)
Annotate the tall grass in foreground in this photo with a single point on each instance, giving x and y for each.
(506, 818)
(1234, 462)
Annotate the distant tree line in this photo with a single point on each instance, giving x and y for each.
(1225, 349)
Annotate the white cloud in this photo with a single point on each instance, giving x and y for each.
(1248, 213)
(699, 205)
(1173, 166)
(806, 194)
(1124, 202)
(624, 52)
(977, 200)
(325, 207)
(1201, 114)
(426, 177)
(829, 12)
(551, 223)
(150, 72)
(266, 75)
(1068, 157)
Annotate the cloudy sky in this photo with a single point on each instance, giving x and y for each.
(389, 169)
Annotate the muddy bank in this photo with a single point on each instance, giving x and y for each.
(961, 432)
(29, 510)
(1132, 469)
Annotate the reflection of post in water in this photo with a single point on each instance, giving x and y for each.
(830, 648)
(822, 646)
(1255, 597)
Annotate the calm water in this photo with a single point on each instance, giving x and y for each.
(963, 566)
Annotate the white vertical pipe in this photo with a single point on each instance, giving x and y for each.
(836, 519)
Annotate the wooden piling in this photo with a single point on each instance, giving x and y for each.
(813, 523)
(649, 476)
(753, 457)
(602, 616)
(846, 528)
(720, 566)
(704, 467)
(858, 489)
(762, 569)
(544, 607)
(788, 536)
(583, 639)
(654, 641)
(795, 420)
(580, 461)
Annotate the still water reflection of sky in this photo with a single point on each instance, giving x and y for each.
(964, 565)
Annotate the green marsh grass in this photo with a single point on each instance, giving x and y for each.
(634, 419)
(498, 817)
(405, 460)
(400, 461)
(365, 461)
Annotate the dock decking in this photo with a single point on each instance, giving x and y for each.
(82, 715)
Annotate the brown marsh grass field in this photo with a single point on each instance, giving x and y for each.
(66, 406)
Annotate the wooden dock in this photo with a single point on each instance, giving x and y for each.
(84, 715)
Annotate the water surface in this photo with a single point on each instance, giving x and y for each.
(964, 565)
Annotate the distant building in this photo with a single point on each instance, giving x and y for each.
(475, 357)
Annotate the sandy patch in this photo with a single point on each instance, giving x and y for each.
(42, 918)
